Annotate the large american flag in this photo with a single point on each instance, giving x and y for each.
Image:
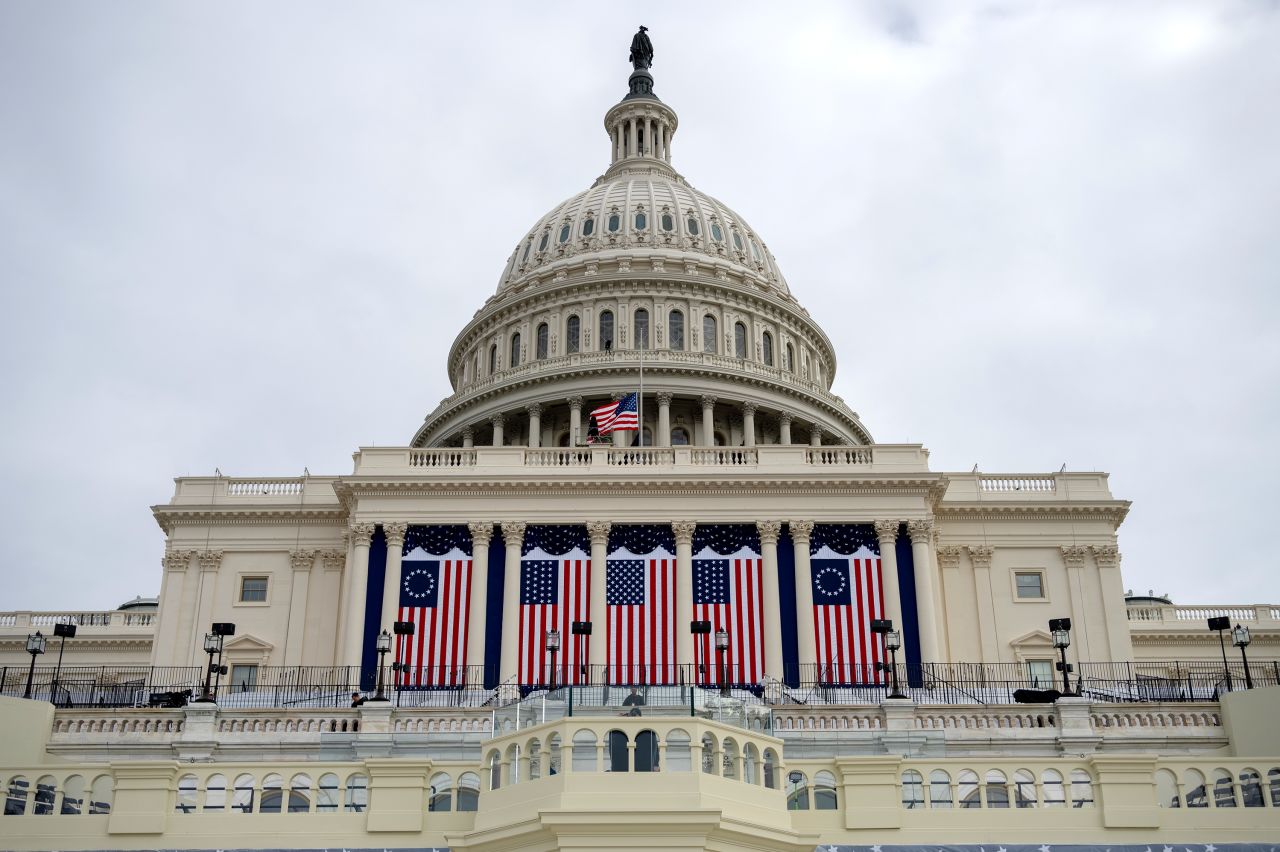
(555, 591)
(726, 592)
(640, 605)
(435, 594)
(847, 595)
(617, 415)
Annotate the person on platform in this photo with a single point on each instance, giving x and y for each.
(635, 701)
(356, 699)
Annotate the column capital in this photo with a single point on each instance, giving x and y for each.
(210, 560)
(769, 531)
(302, 560)
(920, 530)
(361, 534)
(576, 402)
(334, 560)
(800, 530)
(980, 555)
(664, 397)
(949, 556)
(395, 532)
(708, 400)
(599, 531)
(534, 409)
(750, 408)
(1074, 555)
(498, 419)
(177, 560)
(683, 531)
(481, 532)
(784, 417)
(815, 429)
(887, 531)
(513, 532)
(468, 432)
(1107, 555)
(618, 395)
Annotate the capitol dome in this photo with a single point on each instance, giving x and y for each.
(642, 279)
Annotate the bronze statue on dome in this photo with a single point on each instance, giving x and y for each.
(641, 51)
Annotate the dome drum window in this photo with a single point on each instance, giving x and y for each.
(588, 226)
(572, 334)
(614, 223)
(606, 331)
(542, 244)
(709, 334)
(565, 230)
(641, 220)
(541, 347)
(716, 233)
(692, 225)
(675, 330)
(668, 222)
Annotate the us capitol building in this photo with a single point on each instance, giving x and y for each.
(745, 624)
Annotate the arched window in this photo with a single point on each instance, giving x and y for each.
(357, 793)
(534, 750)
(1193, 789)
(797, 790)
(791, 359)
(73, 794)
(572, 334)
(606, 331)
(1167, 789)
(675, 330)
(679, 437)
(1024, 788)
(515, 351)
(584, 751)
(967, 790)
(495, 770)
(641, 220)
(242, 794)
(770, 769)
(646, 752)
(997, 789)
(729, 755)
(939, 789)
(824, 791)
(553, 756)
(1251, 788)
(327, 794)
(716, 233)
(692, 224)
(513, 764)
(668, 223)
(739, 340)
(755, 251)
(527, 248)
(767, 347)
(493, 359)
(709, 754)
(272, 798)
(542, 243)
(1054, 793)
(912, 790)
(47, 793)
(751, 764)
(737, 240)
(100, 795)
(678, 758)
(300, 794)
(709, 338)
(642, 328)
(616, 742)
(614, 223)
(543, 341)
(468, 791)
(187, 793)
(15, 802)
(1224, 793)
(588, 226)
(565, 230)
(441, 793)
(1082, 789)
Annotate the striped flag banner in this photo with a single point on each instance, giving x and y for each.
(640, 605)
(435, 594)
(555, 591)
(847, 595)
(727, 592)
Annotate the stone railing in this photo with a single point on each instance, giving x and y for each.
(1017, 482)
(1195, 617)
(23, 619)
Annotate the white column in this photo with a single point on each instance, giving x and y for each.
(481, 535)
(708, 420)
(535, 424)
(1074, 558)
(210, 561)
(498, 421)
(174, 618)
(361, 534)
(921, 533)
(598, 641)
(1107, 558)
(664, 419)
(887, 534)
(749, 423)
(683, 531)
(302, 561)
(391, 580)
(323, 642)
(987, 625)
(617, 142)
(631, 142)
(784, 428)
(575, 421)
(806, 637)
(815, 435)
(468, 438)
(513, 536)
(770, 615)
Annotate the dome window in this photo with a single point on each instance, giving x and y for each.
(675, 330)
(515, 350)
(641, 220)
(606, 331)
(642, 328)
(615, 222)
(737, 240)
(693, 226)
(565, 230)
(493, 359)
(588, 226)
(541, 342)
(709, 334)
(572, 334)
(668, 223)
(716, 233)
(546, 236)
(755, 251)
(767, 347)
(739, 340)
(527, 247)
(790, 363)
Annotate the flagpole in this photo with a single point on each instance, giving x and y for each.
(640, 403)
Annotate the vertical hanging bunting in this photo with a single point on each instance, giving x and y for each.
(555, 591)
(847, 595)
(640, 578)
(435, 596)
(727, 578)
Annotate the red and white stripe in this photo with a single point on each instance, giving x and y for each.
(847, 649)
(536, 619)
(437, 650)
(642, 638)
(741, 617)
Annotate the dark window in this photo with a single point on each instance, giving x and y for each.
(675, 330)
(493, 358)
(642, 329)
(515, 350)
(527, 247)
(542, 341)
(615, 222)
(709, 334)
(253, 589)
(755, 251)
(791, 359)
(716, 233)
(546, 235)
(572, 334)
(564, 233)
(737, 241)
(768, 349)
(588, 226)
(739, 340)
(679, 437)
(606, 331)
(668, 223)
(641, 221)
(693, 226)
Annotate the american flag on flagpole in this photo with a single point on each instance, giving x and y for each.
(621, 414)
(727, 592)
(640, 606)
(847, 595)
(555, 591)
(435, 594)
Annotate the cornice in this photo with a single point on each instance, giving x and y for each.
(1113, 510)
(169, 517)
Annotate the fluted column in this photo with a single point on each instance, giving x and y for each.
(598, 641)
(683, 531)
(468, 437)
(175, 618)
(921, 533)
(535, 424)
(980, 556)
(361, 534)
(708, 420)
(513, 537)
(394, 533)
(806, 639)
(498, 421)
(575, 420)
(481, 535)
(784, 428)
(302, 562)
(770, 615)
(1107, 558)
(664, 419)
(887, 533)
(749, 423)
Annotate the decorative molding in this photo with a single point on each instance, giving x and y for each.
(683, 531)
(664, 397)
(395, 533)
(599, 532)
(1074, 555)
(708, 401)
(980, 555)
(481, 532)
(887, 531)
(302, 560)
(575, 402)
(513, 532)
(1107, 555)
(210, 560)
(534, 409)
(334, 560)
(920, 530)
(177, 560)
(769, 531)
(801, 531)
(949, 556)
(362, 534)
(750, 408)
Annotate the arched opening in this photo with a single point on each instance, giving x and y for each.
(542, 341)
(646, 751)
(709, 334)
(675, 330)
(678, 752)
(939, 789)
(515, 351)
(327, 794)
(824, 791)
(73, 794)
(766, 341)
(572, 334)
(584, 751)
(606, 331)
(357, 793)
(642, 328)
(440, 795)
(912, 790)
(739, 340)
(797, 791)
(468, 791)
(679, 437)
(617, 743)
(493, 359)
(187, 794)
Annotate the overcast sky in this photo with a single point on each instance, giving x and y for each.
(243, 235)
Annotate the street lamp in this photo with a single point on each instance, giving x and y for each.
(1241, 639)
(699, 628)
(384, 645)
(66, 631)
(722, 645)
(35, 647)
(1222, 623)
(1060, 630)
(553, 645)
(581, 629)
(892, 642)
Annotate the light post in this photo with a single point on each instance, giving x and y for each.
(66, 631)
(1241, 639)
(1060, 630)
(698, 629)
(581, 630)
(403, 628)
(212, 646)
(553, 645)
(722, 645)
(35, 647)
(384, 645)
(892, 642)
(1222, 623)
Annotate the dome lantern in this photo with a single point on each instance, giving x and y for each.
(640, 126)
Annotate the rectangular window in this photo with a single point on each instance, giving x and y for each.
(1029, 585)
(244, 678)
(253, 589)
(1040, 673)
